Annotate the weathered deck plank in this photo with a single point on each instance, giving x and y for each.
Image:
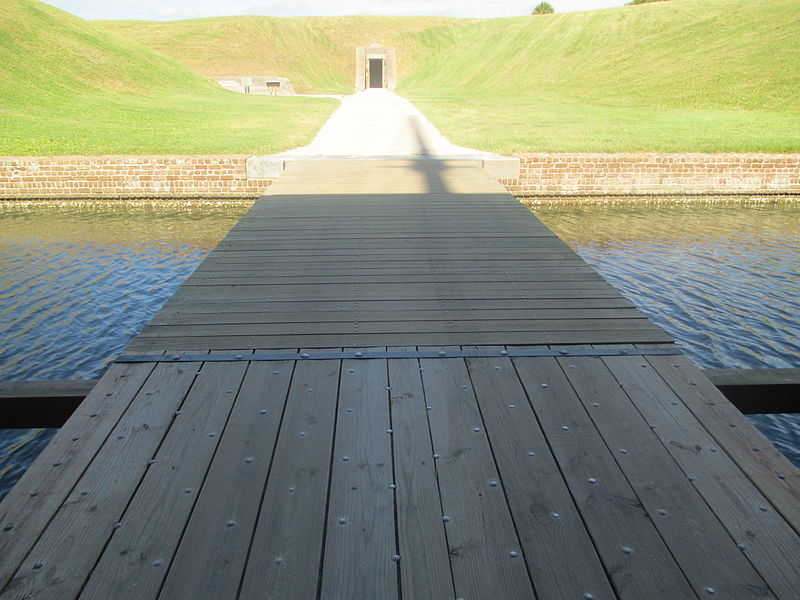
(286, 550)
(770, 544)
(558, 549)
(486, 554)
(59, 563)
(150, 531)
(210, 560)
(638, 560)
(360, 539)
(425, 571)
(38, 495)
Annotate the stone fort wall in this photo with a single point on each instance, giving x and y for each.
(540, 174)
(128, 177)
(598, 174)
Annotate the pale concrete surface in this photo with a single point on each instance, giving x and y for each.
(379, 124)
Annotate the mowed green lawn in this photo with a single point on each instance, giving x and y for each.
(209, 123)
(677, 76)
(68, 87)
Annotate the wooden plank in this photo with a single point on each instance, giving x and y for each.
(31, 504)
(36, 390)
(485, 552)
(26, 404)
(433, 292)
(759, 391)
(360, 535)
(175, 317)
(59, 563)
(309, 270)
(286, 549)
(282, 279)
(702, 547)
(398, 326)
(314, 306)
(776, 477)
(635, 556)
(736, 377)
(159, 510)
(558, 549)
(213, 550)
(772, 546)
(246, 287)
(425, 569)
(389, 256)
(141, 343)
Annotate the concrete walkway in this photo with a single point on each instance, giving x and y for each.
(379, 124)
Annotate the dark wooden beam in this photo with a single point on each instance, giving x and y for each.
(50, 403)
(763, 391)
(40, 403)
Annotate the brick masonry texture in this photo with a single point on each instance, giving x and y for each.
(128, 177)
(540, 174)
(598, 174)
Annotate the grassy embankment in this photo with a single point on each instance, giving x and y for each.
(678, 76)
(316, 53)
(69, 87)
(685, 75)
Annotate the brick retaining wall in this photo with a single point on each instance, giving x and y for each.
(540, 174)
(127, 177)
(575, 174)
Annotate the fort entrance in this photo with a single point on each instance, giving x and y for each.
(376, 67)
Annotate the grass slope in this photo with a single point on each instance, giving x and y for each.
(685, 75)
(70, 87)
(316, 53)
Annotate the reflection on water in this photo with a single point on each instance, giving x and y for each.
(78, 281)
(722, 279)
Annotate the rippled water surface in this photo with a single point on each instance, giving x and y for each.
(722, 278)
(78, 281)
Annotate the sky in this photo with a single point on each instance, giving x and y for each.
(182, 9)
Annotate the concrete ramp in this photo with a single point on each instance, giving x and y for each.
(379, 124)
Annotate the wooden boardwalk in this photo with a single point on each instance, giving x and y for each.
(390, 381)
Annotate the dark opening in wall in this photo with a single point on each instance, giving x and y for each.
(376, 72)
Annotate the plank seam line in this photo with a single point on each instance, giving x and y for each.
(530, 352)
